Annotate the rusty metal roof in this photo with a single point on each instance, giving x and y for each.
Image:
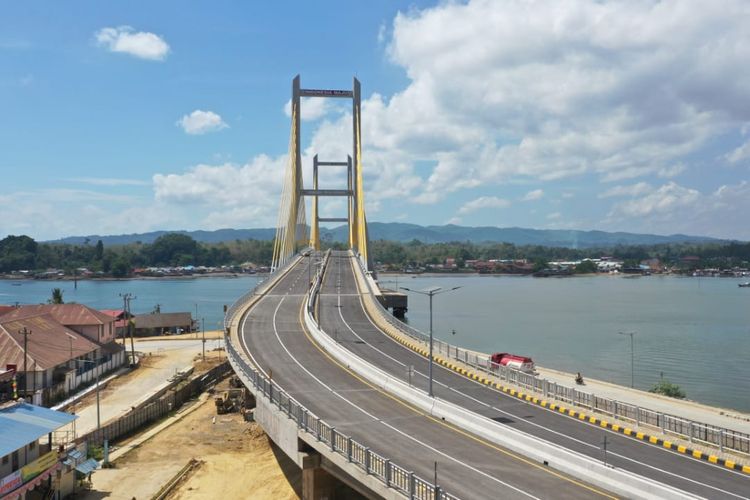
(49, 344)
(66, 314)
(163, 320)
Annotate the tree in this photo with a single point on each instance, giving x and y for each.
(57, 296)
(99, 250)
(667, 388)
(586, 267)
(173, 249)
(120, 268)
(17, 253)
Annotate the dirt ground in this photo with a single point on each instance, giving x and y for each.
(237, 462)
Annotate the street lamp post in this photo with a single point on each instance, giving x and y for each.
(430, 292)
(632, 357)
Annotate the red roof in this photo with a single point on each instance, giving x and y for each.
(49, 344)
(112, 312)
(66, 314)
(5, 309)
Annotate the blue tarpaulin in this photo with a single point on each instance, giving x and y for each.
(21, 424)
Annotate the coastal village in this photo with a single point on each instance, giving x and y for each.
(78, 384)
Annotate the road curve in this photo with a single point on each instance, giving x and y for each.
(342, 315)
(272, 335)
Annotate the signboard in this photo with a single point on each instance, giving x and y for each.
(41, 464)
(10, 482)
(325, 93)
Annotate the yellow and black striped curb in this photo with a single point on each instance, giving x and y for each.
(414, 346)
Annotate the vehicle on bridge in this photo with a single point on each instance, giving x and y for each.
(521, 363)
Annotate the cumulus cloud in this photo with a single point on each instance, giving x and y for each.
(739, 154)
(630, 190)
(201, 122)
(483, 202)
(529, 90)
(672, 208)
(312, 108)
(141, 44)
(664, 200)
(536, 194)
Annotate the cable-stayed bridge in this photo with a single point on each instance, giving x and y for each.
(342, 387)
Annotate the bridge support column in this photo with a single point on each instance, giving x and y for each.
(317, 483)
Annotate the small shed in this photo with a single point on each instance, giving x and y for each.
(162, 323)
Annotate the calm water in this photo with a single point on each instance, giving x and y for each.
(694, 330)
(173, 295)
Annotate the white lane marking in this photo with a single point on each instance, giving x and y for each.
(624, 457)
(412, 438)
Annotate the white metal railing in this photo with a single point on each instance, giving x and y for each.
(372, 463)
(725, 439)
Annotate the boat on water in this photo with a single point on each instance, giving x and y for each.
(744, 285)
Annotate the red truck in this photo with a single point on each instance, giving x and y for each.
(522, 363)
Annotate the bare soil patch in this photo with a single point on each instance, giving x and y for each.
(238, 462)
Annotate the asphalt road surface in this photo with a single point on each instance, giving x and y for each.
(343, 317)
(467, 466)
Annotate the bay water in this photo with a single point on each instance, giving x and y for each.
(694, 332)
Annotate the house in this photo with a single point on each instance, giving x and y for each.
(121, 320)
(52, 359)
(93, 324)
(31, 466)
(161, 323)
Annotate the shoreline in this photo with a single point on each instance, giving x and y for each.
(22, 280)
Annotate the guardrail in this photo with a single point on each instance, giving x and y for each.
(725, 439)
(372, 463)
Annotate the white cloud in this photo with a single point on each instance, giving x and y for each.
(670, 172)
(554, 216)
(312, 108)
(631, 190)
(141, 44)
(664, 200)
(521, 90)
(483, 202)
(677, 209)
(739, 154)
(201, 122)
(536, 194)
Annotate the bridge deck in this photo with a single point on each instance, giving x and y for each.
(341, 311)
(468, 466)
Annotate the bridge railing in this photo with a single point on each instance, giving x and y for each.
(372, 463)
(725, 439)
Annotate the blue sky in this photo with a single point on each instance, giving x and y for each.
(134, 116)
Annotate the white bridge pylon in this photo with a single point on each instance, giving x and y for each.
(292, 229)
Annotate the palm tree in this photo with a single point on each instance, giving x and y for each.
(57, 296)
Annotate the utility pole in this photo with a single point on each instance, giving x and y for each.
(203, 331)
(127, 297)
(25, 332)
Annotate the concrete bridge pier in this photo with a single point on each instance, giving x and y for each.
(317, 483)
